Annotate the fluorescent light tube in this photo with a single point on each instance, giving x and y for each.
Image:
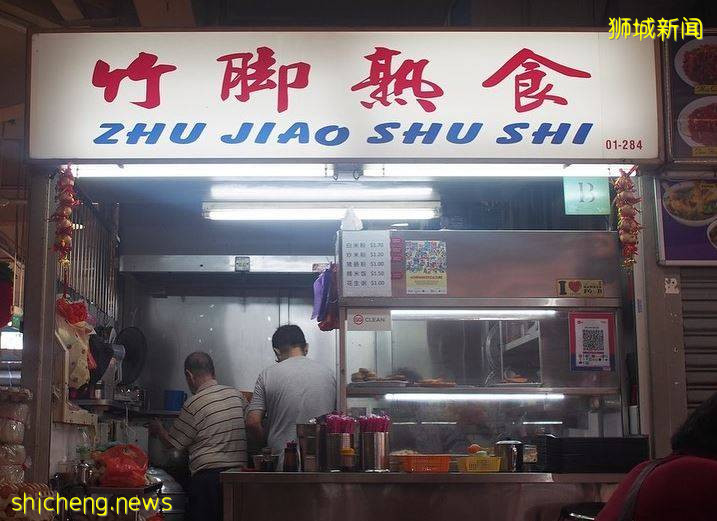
(320, 211)
(261, 170)
(321, 192)
(473, 397)
(472, 314)
(423, 170)
(548, 422)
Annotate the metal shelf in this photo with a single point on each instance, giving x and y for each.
(118, 405)
(105, 404)
(522, 389)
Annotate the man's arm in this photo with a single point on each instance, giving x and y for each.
(157, 430)
(180, 436)
(253, 425)
(256, 410)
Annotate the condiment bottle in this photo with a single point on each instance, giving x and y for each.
(348, 459)
(291, 461)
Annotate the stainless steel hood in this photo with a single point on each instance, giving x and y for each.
(224, 263)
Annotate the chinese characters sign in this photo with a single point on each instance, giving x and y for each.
(365, 264)
(343, 95)
(661, 29)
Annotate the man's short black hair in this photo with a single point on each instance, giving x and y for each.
(287, 337)
(199, 363)
(698, 435)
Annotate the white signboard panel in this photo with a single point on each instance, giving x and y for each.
(365, 263)
(342, 95)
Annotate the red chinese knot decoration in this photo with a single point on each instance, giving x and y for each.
(66, 202)
(627, 225)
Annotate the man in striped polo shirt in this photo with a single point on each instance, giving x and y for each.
(211, 428)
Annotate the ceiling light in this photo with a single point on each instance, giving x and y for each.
(472, 397)
(547, 422)
(415, 211)
(321, 192)
(259, 170)
(423, 170)
(471, 314)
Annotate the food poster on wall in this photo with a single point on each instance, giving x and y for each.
(687, 218)
(426, 268)
(693, 82)
(592, 341)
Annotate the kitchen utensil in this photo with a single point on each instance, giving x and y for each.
(291, 458)
(308, 435)
(348, 459)
(479, 463)
(83, 471)
(170, 489)
(431, 463)
(510, 453)
(268, 462)
(374, 451)
(334, 444)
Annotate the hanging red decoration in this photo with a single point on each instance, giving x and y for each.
(627, 225)
(66, 202)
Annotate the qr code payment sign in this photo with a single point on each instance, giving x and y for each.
(592, 341)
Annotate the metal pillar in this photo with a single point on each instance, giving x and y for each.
(663, 397)
(39, 324)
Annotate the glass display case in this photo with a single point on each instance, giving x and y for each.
(452, 377)
(468, 337)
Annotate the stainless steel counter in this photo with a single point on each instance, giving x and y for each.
(396, 496)
(409, 478)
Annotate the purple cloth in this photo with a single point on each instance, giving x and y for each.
(320, 288)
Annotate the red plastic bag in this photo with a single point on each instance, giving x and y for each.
(125, 466)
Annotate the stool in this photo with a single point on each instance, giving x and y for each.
(580, 512)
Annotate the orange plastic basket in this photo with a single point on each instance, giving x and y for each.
(438, 463)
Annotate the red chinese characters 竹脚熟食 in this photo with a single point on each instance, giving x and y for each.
(528, 94)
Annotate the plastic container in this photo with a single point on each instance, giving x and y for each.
(348, 459)
(431, 463)
(11, 431)
(479, 464)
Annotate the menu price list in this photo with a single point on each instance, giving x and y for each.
(366, 263)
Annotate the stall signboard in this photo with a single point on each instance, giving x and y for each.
(592, 341)
(330, 95)
(426, 268)
(365, 263)
(687, 222)
(691, 77)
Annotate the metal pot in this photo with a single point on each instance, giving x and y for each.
(170, 489)
(510, 453)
